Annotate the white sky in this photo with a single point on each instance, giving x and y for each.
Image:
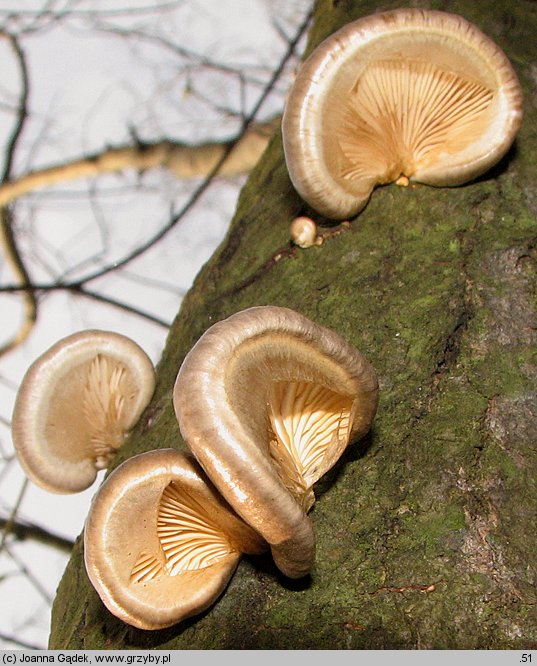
(86, 90)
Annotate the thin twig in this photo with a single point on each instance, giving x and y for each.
(23, 531)
(7, 237)
(200, 60)
(17, 641)
(94, 295)
(22, 112)
(13, 514)
(23, 569)
(197, 194)
(80, 289)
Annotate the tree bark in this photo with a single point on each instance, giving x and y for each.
(425, 530)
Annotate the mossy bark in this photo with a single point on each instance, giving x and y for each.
(425, 530)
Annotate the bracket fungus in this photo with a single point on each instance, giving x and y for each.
(267, 401)
(75, 405)
(408, 93)
(160, 544)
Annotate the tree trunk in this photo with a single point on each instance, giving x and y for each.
(425, 530)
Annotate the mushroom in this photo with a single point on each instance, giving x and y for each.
(75, 405)
(160, 544)
(267, 401)
(409, 93)
(303, 232)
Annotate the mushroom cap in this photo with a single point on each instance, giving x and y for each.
(303, 231)
(267, 401)
(75, 404)
(410, 92)
(160, 544)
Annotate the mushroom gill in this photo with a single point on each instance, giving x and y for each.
(146, 568)
(306, 419)
(401, 115)
(106, 391)
(189, 537)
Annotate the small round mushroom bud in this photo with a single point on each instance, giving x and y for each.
(303, 232)
(406, 94)
(75, 405)
(267, 401)
(160, 544)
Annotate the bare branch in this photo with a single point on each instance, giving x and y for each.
(14, 259)
(23, 531)
(13, 514)
(30, 21)
(17, 641)
(22, 112)
(198, 193)
(7, 238)
(183, 160)
(94, 295)
(29, 575)
(225, 149)
(200, 60)
(80, 289)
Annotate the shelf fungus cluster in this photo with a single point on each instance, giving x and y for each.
(75, 405)
(267, 401)
(406, 94)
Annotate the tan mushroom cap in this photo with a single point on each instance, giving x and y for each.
(411, 92)
(160, 544)
(267, 400)
(303, 232)
(75, 405)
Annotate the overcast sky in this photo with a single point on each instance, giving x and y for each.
(88, 91)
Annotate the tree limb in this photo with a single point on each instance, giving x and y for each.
(23, 531)
(184, 161)
(7, 238)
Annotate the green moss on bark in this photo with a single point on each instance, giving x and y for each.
(424, 530)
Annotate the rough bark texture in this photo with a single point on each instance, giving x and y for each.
(426, 530)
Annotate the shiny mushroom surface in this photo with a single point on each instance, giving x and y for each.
(406, 94)
(267, 401)
(160, 544)
(75, 405)
(303, 232)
